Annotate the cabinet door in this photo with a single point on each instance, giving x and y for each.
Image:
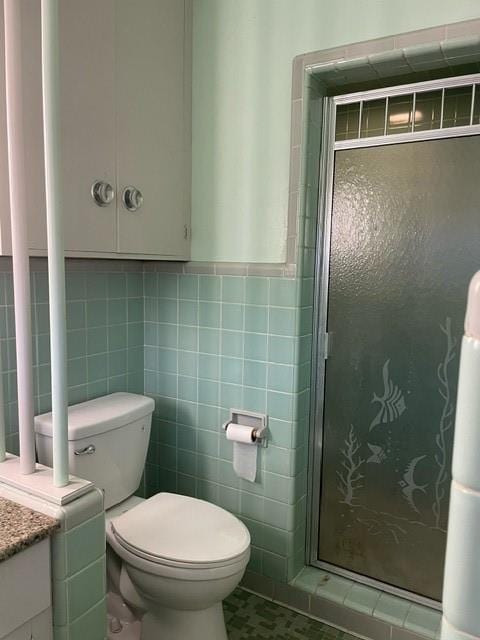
(153, 124)
(87, 72)
(87, 75)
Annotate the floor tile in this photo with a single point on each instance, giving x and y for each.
(250, 617)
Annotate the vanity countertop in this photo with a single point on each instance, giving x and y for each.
(21, 527)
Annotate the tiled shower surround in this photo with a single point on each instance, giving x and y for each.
(213, 343)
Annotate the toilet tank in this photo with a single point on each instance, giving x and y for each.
(107, 442)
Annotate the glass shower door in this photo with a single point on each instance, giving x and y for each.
(405, 242)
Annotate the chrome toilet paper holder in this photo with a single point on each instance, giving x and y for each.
(258, 421)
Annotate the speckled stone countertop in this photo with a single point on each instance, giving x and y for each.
(21, 527)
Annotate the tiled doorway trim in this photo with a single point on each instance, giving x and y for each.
(325, 72)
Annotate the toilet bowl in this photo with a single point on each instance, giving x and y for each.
(172, 558)
(183, 573)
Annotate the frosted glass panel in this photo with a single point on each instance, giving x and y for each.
(405, 242)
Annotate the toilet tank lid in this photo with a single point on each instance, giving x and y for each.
(100, 415)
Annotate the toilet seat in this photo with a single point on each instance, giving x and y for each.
(180, 532)
(165, 562)
(180, 571)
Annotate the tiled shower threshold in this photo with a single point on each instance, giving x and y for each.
(349, 606)
(251, 617)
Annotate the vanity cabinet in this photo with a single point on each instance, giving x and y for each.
(25, 605)
(38, 628)
(125, 74)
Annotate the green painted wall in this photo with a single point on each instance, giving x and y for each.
(242, 59)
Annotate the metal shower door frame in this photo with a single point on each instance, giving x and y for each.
(320, 338)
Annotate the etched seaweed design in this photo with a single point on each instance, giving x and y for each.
(350, 478)
(392, 403)
(446, 421)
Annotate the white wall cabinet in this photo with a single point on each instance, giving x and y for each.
(125, 73)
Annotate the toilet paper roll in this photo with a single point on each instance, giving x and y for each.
(244, 451)
(240, 433)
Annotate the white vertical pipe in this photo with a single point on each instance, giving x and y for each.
(18, 212)
(56, 259)
(461, 587)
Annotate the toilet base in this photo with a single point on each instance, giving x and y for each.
(206, 624)
(121, 622)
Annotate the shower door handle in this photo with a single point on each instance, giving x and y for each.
(327, 345)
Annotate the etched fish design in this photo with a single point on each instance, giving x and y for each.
(408, 484)
(392, 403)
(378, 454)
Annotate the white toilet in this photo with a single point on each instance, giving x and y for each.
(171, 557)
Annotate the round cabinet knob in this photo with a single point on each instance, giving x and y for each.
(132, 198)
(102, 193)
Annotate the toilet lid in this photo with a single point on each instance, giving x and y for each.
(182, 529)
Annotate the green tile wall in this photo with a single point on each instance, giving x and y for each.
(104, 333)
(218, 342)
(78, 570)
(199, 345)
